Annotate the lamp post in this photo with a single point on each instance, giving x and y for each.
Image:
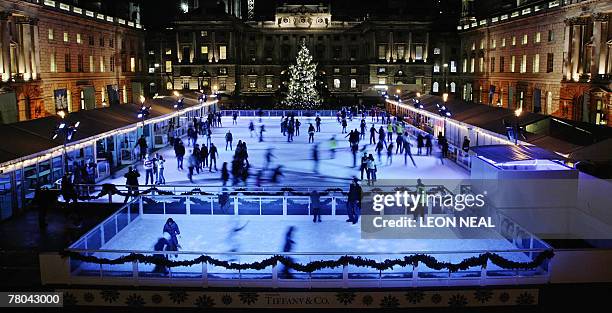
(517, 128)
(178, 106)
(66, 131)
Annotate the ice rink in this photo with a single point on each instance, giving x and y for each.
(296, 157)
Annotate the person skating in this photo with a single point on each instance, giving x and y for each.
(251, 128)
(219, 123)
(131, 181)
(353, 202)
(332, 147)
(297, 127)
(224, 174)
(364, 164)
(290, 130)
(354, 149)
(228, 140)
(408, 152)
(428, 145)
(213, 153)
(172, 228)
(192, 136)
(399, 141)
(276, 174)
(315, 206)
(288, 247)
(362, 125)
(344, 124)
(179, 152)
(379, 148)
(371, 169)
(420, 143)
(390, 131)
(208, 136)
(204, 157)
(381, 136)
(161, 179)
(311, 131)
(390, 154)
(373, 133)
(315, 158)
(262, 129)
(148, 167)
(444, 147)
(318, 123)
(191, 164)
(197, 153)
(235, 118)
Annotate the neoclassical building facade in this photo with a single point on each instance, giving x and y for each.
(57, 56)
(550, 57)
(357, 59)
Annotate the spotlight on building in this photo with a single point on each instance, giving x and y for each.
(445, 96)
(518, 112)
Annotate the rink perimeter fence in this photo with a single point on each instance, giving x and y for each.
(87, 262)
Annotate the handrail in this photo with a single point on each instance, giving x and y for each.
(302, 253)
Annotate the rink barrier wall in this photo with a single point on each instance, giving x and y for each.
(78, 272)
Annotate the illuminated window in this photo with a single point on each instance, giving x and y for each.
(132, 64)
(204, 50)
(168, 51)
(168, 66)
(50, 33)
(525, 39)
(536, 63)
(436, 68)
(436, 51)
(53, 66)
(524, 63)
(453, 67)
(78, 38)
(203, 33)
(382, 80)
(453, 87)
(91, 64)
(336, 83)
(513, 64)
(353, 83)
(472, 65)
(418, 55)
(503, 43)
(66, 38)
(537, 37)
(222, 52)
(436, 87)
(514, 40)
(102, 68)
(493, 44)
(382, 52)
(481, 64)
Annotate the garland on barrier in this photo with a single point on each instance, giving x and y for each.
(110, 189)
(412, 260)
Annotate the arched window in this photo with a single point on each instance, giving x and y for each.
(336, 83)
(353, 83)
(435, 87)
(453, 87)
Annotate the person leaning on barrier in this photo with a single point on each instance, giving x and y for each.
(315, 206)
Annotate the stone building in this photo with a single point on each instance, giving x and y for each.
(358, 59)
(550, 57)
(57, 56)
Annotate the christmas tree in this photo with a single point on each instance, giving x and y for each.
(302, 92)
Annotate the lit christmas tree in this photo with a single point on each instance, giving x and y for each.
(302, 92)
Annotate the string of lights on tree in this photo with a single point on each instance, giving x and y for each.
(302, 92)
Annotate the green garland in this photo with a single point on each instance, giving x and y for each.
(412, 260)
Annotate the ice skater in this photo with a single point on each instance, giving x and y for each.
(315, 206)
(318, 123)
(288, 247)
(213, 153)
(428, 145)
(268, 158)
(373, 133)
(251, 128)
(315, 158)
(390, 154)
(224, 174)
(172, 228)
(407, 152)
(332, 147)
(228, 140)
(311, 131)
(231, 237)
(354, 201)
(262, 129)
